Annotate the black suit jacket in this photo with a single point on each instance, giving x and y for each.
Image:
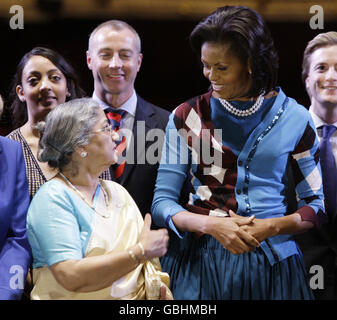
(140, 178)
(319, 247)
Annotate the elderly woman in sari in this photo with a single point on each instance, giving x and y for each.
(88, 238)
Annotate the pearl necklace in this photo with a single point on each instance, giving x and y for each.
(243, 113)
(84, 198)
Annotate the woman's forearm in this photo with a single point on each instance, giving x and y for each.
(262, 229)
(191, 222)
(94, 273)
(290, 224)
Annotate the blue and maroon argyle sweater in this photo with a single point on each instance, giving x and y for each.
(250, 181)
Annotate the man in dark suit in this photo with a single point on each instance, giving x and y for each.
(114, 57)
(319, 247)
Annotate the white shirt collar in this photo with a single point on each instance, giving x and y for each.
(317, 120)
(129, 105)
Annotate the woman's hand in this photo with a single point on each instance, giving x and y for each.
(229, 232)
(260, 229)
(155, 242)
(164, 294)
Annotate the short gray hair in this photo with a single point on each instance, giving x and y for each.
(117, 25)
(66, 127)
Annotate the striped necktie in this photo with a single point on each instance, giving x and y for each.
(329, 170)
(115, 116)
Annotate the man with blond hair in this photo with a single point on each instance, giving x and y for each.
(319, 73)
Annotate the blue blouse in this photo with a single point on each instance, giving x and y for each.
(277, 133)
(58, 214)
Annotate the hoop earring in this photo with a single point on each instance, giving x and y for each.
(83, 154)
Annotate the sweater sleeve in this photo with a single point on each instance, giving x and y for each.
(307, 176)
(171, 176)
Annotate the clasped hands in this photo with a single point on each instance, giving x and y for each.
(240, 234)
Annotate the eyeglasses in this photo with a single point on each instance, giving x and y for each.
(107, 128)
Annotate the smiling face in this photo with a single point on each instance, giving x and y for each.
(43, 87)
(229, 78)
(114, 59)
(321, 82)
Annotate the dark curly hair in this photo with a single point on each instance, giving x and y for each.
(19, 114)
(249, 39)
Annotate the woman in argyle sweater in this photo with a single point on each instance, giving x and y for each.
(233, 239)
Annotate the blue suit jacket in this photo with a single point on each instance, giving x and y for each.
(15, 253)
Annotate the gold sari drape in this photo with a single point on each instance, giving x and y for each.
(114, 234)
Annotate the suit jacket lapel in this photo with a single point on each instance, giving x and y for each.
(143, 113)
